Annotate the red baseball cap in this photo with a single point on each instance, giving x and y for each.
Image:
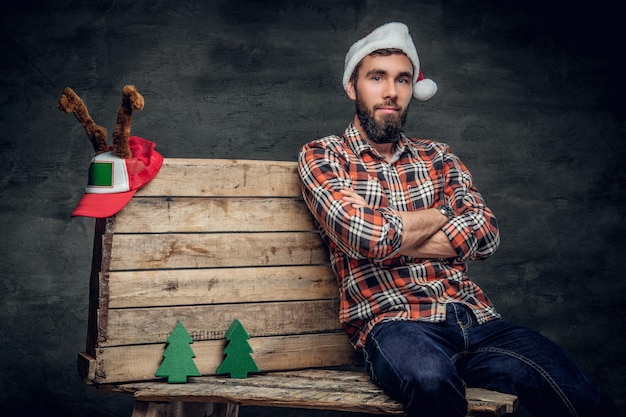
(113, 181)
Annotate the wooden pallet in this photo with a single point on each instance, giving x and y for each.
(205, 243)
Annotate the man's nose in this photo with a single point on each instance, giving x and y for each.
(391, 92)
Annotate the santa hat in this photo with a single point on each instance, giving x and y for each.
(113, 181)
(391, 35)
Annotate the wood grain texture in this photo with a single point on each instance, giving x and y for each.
(140, 362)
(172, 251)
(226, 214)
(315, 389)
(224, 178)
(156, 288)
(132, 326)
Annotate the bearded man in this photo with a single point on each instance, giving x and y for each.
(402, 218)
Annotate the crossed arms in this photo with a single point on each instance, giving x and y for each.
(364, 229)
(422, 237)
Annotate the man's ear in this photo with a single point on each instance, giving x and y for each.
(351, 91)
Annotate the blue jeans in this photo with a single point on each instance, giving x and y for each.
(426, 367)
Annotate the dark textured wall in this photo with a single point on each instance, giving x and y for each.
(529, 98)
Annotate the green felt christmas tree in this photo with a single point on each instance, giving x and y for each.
(238, 361)
(178, 357)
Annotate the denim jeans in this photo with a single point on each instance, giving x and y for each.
(426, 367)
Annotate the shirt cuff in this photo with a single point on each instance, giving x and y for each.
(461, 235)
(394, 228)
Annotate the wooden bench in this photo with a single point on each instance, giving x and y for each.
(207, 242)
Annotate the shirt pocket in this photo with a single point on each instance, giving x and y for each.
(421, 195)
(369, 188)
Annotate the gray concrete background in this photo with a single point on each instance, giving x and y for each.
(531, 98)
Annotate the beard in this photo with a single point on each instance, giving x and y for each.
(386, 130)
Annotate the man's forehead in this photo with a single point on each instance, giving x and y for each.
(396, 63)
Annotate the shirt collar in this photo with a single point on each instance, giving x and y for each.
(359, 145)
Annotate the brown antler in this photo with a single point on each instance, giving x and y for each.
(70, 102)
(131, 100)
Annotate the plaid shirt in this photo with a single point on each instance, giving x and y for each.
(376, 283)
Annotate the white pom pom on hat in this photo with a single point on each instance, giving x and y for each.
(390, 35)
(424, 88)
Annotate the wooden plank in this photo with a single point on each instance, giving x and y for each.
(99, 283)
(214, 390)
(168, 251)
(140, 362)
(180, 215)
(482, 400)
(224, 178)
(86, 366)
(314, 389)
(208, 322)
(98, 299)
(220, 285)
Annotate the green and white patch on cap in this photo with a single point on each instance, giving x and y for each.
(108, 174)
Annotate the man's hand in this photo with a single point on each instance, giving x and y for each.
(351, 196)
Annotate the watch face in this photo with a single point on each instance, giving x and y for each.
(447, 211)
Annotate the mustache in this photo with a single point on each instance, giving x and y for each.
(388, 104)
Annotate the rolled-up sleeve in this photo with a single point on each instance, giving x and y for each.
(372, 233)
(474, 232)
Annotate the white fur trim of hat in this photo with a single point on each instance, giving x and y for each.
(390, 35)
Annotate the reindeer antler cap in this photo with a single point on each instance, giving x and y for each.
(115, 172)
(113, 181)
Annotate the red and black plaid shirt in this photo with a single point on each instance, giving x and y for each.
(376, 283)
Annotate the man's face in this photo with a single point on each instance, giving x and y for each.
(382, 94)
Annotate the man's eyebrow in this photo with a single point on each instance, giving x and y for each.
(383, 72)
(376, 72)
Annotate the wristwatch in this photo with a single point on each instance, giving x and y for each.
(447, 211)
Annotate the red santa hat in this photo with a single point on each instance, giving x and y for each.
(390, 35)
